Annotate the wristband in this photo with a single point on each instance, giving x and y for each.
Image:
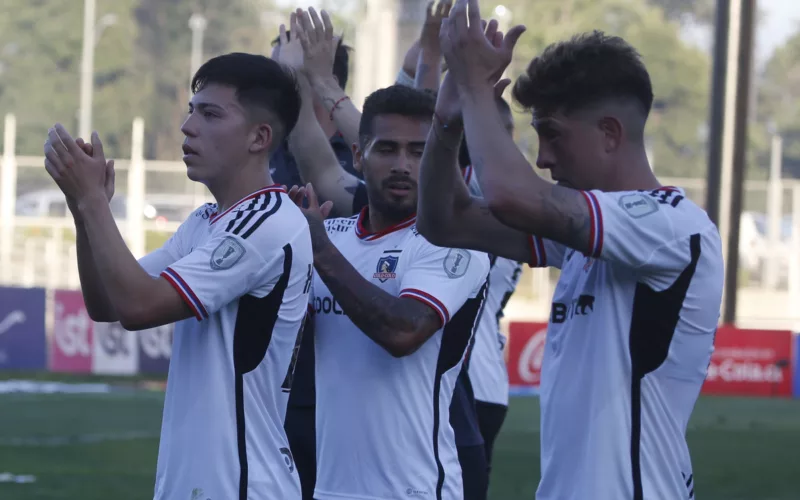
(336, 105)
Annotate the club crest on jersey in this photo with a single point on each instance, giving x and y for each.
(386, 268)
(638, 205)
(227, 254)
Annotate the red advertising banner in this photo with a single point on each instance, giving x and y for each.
(71, 343)
(750, 363)
(525, 352)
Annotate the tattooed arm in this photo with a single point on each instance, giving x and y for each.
(316, 160)
(398, 324)
(514, 193)
(337, 103)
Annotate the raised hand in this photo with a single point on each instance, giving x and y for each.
(79, 175)
(477, 58)
(290, 52)
(429, 38)
(315, 214)
(319, 43)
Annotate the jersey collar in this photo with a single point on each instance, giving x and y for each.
(363, 233)
(267, 189)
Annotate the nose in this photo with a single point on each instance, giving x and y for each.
(545, 159)
(403, 164)
(188, 127)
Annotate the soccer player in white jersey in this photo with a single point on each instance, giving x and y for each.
(637, 304)
(394, 316)
(235, 276)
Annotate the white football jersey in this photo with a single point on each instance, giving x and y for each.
(246, 274)
(486, 365)
(628, 344)
(383, 427)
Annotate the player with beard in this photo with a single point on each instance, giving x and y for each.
(394, 316)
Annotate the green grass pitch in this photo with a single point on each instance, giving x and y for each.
(104, 446)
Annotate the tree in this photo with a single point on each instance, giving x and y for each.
(679, 71)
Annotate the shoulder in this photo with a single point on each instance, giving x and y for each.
(452, 258)
(268, 220)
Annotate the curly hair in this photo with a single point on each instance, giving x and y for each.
(583, 71)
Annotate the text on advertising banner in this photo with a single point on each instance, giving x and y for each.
(155, 349)
(525, 351)
(115, 350)
(750, 363)
(71, 343)
(23, 344)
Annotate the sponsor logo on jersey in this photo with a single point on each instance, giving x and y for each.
(456, 262)
(288, 459)
(415, 493)
(327, 305)
(581, 306)
(386, 268)
(227, 254)
(638, 205)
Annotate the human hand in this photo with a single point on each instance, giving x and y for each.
(477, 58)
(429, 38)
(80, 175)
(318, 42)
(290, 52)
(314, 213)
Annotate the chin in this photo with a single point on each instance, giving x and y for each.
(193, 173)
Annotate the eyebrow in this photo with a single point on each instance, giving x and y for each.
(200, 106)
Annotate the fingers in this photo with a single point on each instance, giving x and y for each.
(498, 40)
(319, 29)
(446, 5)
(474, 14)
(52, 169)
(54, 142)
(458, 18)
(111, 175)
(500, 86)
(311, 196)
(97, 145)
(512, 37)
(326, 21)
(429, 11)
(325, 209)
(67, 139)
(296, 194)
(87, 148)
(304, 21)
(491, 29)
(284, 37)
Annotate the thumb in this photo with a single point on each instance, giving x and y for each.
(326, 208)
(513, 35)
(96, 144)
(311, 196)
(110, 172)
(500, 86)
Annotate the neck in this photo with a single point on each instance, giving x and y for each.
(637, 174)
(324, 119)
(378, 221)
(229, 190)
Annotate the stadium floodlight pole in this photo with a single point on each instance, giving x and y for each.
(717, 109)
(197, 23)
(739, 164)
(91, 33)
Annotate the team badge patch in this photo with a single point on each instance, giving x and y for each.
(638, 205)
(227, 254)
(456, 263)
(386, 267)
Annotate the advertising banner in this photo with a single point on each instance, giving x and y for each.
(750, 363)
(155, 349)
(796, 362)
(525, 352)
(23, 345)
(71, 343)
(115, 351)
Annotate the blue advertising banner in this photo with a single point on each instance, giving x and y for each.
(155, 349)
(22, 335)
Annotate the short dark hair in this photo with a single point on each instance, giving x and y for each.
(395, 100)
(341, 60)
(464, 159)
(583, 71)
(260, 83)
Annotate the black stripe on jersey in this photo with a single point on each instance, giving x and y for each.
(244, 211)
(264, 217)
(456, 336)
(655, 317)
(255, 320)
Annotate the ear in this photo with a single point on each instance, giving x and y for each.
(357, 155)
(262, 139)
(613, 131)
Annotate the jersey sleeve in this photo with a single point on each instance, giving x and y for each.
(641, 229)
(545, 253)
(227, 267)
(444, 278)
(174, 249)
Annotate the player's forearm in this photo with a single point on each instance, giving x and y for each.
(345, 114)
(95, 297)
(428, 69)
(316, 160)
(391, 322)
(442, 191)
(126, 283)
